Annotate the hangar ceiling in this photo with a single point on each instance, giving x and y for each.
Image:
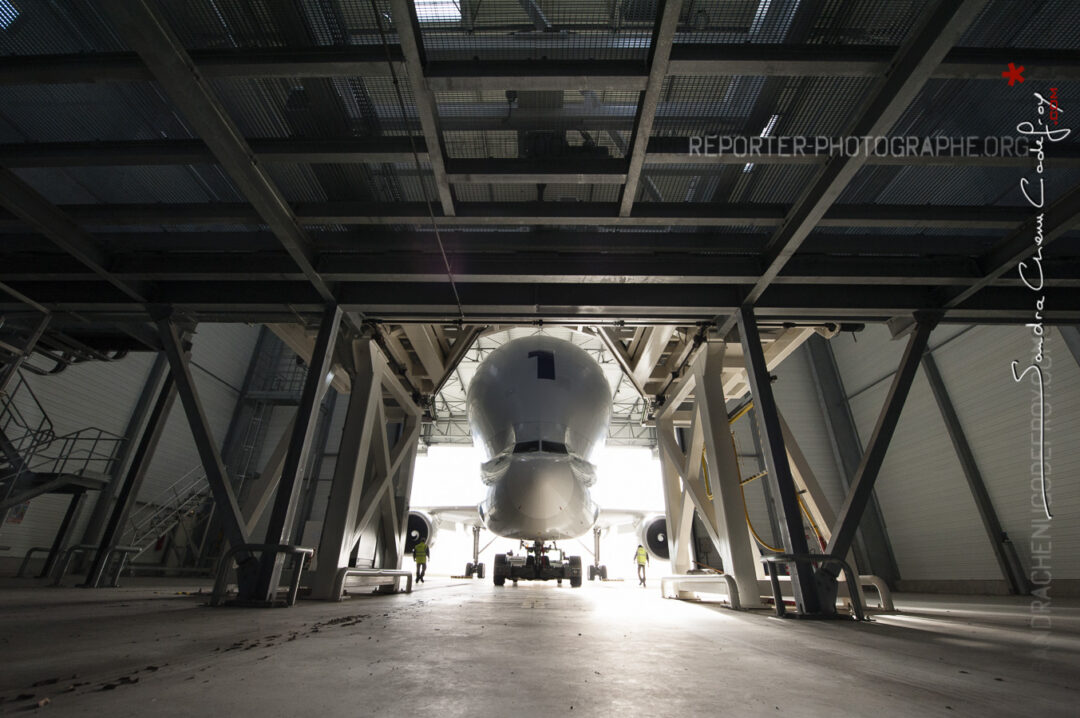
(492, 162)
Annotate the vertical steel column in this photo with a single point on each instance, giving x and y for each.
(279, 530)
(232, 521)
(1017, 581)
(770, 502)
(133, 480)
(339, 530)
(136, 426)
(322, 437)
(776, 462)
(872, 548)
(862, 484)
(64, 532)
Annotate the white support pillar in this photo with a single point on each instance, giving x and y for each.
(339, 532)
(678, 507)
(737, 550)
(718, 503)
(373, 477)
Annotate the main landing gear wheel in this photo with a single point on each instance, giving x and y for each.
(501, 569)
(575, 569)
(469, 569)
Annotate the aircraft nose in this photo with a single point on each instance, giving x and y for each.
(540, 488)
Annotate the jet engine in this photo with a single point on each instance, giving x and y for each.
(421, 526)
(653, 536)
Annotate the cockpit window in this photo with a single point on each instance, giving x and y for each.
(552, 447)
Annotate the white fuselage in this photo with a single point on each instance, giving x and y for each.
(539, 409)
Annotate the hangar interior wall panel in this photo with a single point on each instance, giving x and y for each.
(931, 518)
(220, 354)
(996, 415)
(277, 424)
(94, 394)
(797, 398)
(326, 475)
(754, 492)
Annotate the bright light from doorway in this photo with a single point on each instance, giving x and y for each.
(628, 478)
(437, 10)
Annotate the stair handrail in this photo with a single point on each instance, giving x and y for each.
(74, 452)
(191, 484)
(10, 413)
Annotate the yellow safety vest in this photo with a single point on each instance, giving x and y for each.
(642, 556)
(420, 552)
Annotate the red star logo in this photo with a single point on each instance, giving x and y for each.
(1014, 74)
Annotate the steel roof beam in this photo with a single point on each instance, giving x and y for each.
(183, 152)
(382, 240)
(661, 150)
(1021, 245)
(540, 266)
(667, 20)
(508, 302)
(925, 48)
(408, 29)
(655, 214)
(525, 73)
(143, 28)
(28, 205)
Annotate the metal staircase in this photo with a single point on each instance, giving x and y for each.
(34, 460)
(156, 518)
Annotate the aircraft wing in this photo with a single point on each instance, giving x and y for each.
(620, 518)
(458, 515)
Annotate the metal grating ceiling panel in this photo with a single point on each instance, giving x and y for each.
(223, 24)
(961, 108)
(966, 186)
(1024, 23)
(745, 105)
(54, 28)
(132, 185)
(533, 110)
(832, 22)
(286, 107)
(500, 30)
(88, 112)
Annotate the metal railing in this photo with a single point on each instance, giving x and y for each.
(823, 558)
(299, 554)
(20, 430)
(153, 519)
(705, 583)
(376, 573)
(32, 435)
(89, 449)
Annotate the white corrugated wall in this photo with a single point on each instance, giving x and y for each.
(94, 394)
(996, 415)
(104, 395)
(220, 354)
(931, 517)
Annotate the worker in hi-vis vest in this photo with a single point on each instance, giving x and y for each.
(420, 555)
(642, 558)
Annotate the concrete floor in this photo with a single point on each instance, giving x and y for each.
(460, 648)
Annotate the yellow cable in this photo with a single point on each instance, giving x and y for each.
(813, 524)
(746, 511)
